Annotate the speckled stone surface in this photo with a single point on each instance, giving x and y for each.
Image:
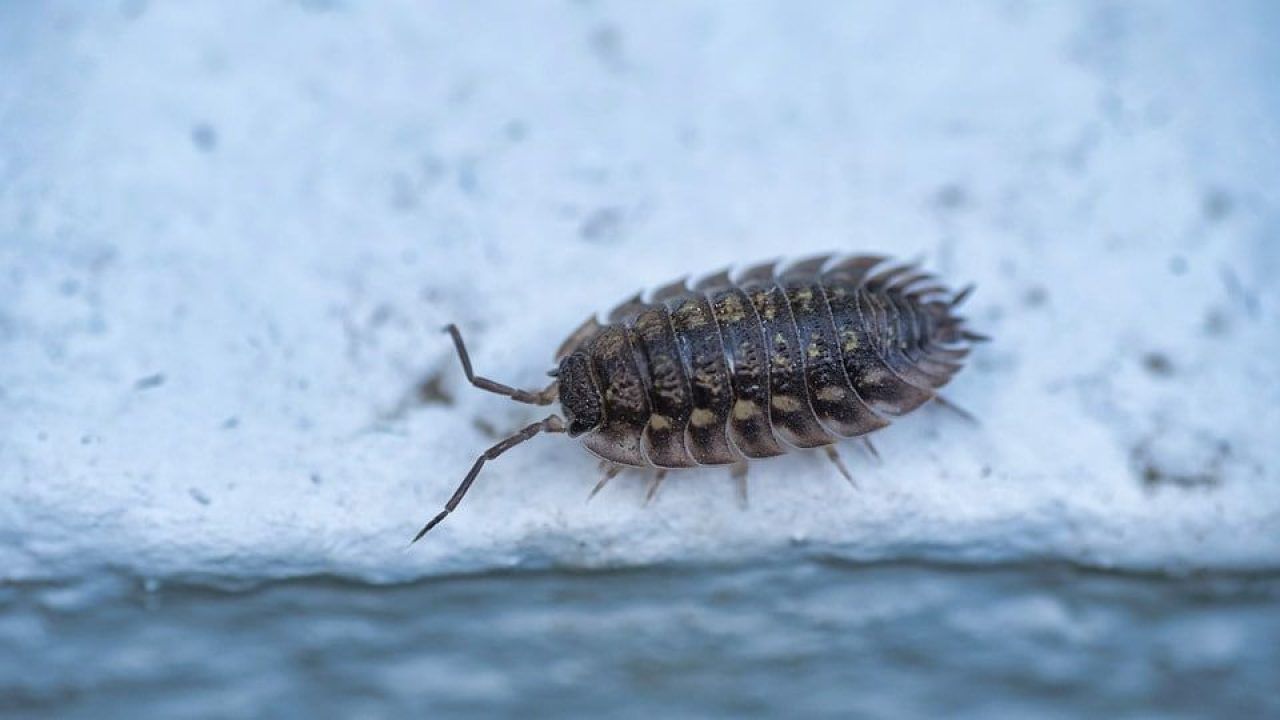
(231, 231)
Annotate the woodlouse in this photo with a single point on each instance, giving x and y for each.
(736, 368)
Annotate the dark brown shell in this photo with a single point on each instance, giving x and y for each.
(745, 367)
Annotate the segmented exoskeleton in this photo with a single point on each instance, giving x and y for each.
(735, 368)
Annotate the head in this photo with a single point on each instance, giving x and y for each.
(579, 395)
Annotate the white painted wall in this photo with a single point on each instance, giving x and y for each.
(229, 232)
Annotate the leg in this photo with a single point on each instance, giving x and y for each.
(835, 459)
(658, 477)
(866, 442)
(611, 471)
(542, 397)
(552, 424)
(738, 471)
(943, 402)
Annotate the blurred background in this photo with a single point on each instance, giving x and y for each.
(231, 231)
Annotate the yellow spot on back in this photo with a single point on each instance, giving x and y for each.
(702, 417)
(730, 309)
(850, 341)
(659, 422)
(815, 348)
(691, 315)
(744, 409)
(831, 394)
(785, 403)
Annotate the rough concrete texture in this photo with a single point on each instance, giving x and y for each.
(230, 233)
